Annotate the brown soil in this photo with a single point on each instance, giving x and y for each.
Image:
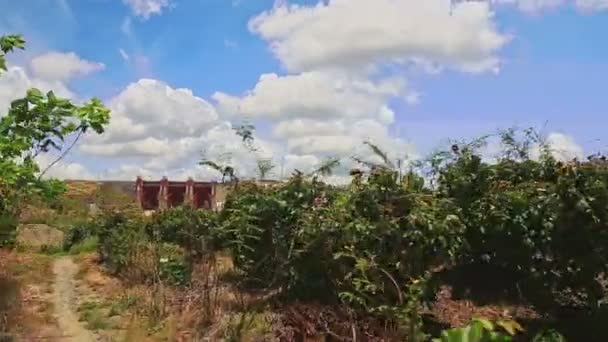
(64, 299)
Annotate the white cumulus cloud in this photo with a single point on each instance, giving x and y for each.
(365, 33)
(314, 95)
(165, 130)
(147, 8)
(60, 66)
(63, 169)
(561, 146)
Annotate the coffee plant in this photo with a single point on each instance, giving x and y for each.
(543, 221)
(379, 244)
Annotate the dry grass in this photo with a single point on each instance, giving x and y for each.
(208, 309)
(29, 313)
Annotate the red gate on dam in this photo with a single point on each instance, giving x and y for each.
(163, 194)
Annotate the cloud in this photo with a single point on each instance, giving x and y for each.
(147, 8)
(231, 44)
(124, 55)
(151, 109)
(314, 95)
(563, 147)
(592, 5)
(60, 66)
(321, 114)
(65, 7)
(165, 128)
(538, 6)
(531, 6)
(63, 169)
(16, 81)
(367, 33)
(126, 27)
(178, 158)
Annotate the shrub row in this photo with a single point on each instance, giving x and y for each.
(376, 243)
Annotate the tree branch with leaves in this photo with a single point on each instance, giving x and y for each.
(34, 125)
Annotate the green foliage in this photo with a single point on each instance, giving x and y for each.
(174, 270)
(33, 125)
(193, 230)
(549, 335)
(79, 233)
(9, 43)
(541, 220)
(122, 240)
(376, 243)
(370, 245)
(263, 231)
(481, 330)
(87, 245)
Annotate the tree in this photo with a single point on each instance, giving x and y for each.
(227, 171)
(245, 131)
(326, 168)
(385, 163)
(264, 167)
(34, 125)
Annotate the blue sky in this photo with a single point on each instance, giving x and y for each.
(546, 67)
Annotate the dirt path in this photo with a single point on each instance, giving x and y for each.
(65, 301)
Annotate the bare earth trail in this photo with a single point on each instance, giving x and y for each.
(64, 298)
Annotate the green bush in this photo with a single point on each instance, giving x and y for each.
(262, 227)
(481, 330)
(543, 221)
(78, 233)
(175, 271)
(196, 231)
(123, 241)
(370, 244)
(8, 228)
(87, 245)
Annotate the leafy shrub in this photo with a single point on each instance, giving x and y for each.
(124, 245)
(79, 233)
(196, 231)
(543, 221)
(371, 244)
(262, 229)
(481, 330)
(87, 245)
(8, 228)
(175, 271)
(385, 238)
(549, 335)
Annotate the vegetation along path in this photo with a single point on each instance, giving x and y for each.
(64, 299)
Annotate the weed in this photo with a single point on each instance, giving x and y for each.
(51, 250)
(122, 304)
(92, 313)
(96, 320)
(247, 326)
(87, 245)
